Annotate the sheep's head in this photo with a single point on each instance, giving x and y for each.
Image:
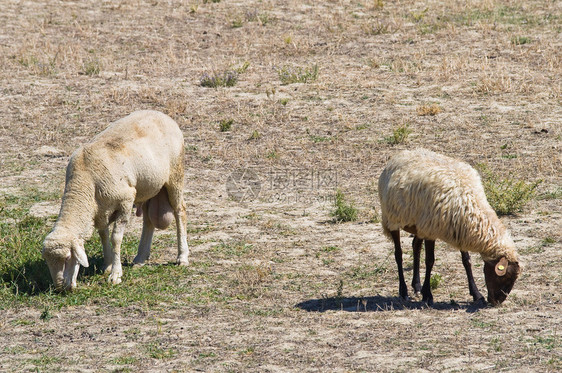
(500, 275)
(64, 256)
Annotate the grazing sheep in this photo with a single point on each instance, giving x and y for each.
(436, 197)
(136, 160)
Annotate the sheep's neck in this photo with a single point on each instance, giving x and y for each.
(78, 206)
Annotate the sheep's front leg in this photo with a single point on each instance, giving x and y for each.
(471, 283)
(416, 283)
(107, 252)
(145, 243)
(116, 239)
(403, 289)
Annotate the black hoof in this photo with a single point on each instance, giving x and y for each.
(480, 302)
(428, 301)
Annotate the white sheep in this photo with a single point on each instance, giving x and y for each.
(436, 197)
(136, 160)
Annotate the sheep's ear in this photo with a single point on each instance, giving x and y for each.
(501, 266)
(80, 253)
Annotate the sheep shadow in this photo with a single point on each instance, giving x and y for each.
(33, 277)
(381, 304)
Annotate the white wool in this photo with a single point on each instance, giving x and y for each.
(130, 162)
(442, 198)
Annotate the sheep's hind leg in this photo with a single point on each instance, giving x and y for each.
(476, 296)
(107, 251)
(429, 260)
(145, 243)
(416, 283)
(403, 289)
(175, 197)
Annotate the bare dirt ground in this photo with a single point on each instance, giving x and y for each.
(301, 293)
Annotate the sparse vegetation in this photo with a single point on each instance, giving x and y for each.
(227, 78)
(225, 125)
(297, 74)
(399, 135)
(92, 67)
(507, 196)
(520, 40)
(435, 281)
(431, 110)
(344, 210)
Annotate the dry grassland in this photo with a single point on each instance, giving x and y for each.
(323, 93)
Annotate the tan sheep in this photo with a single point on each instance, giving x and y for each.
(436, 197)
(136, 160)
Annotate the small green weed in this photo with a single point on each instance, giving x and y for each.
(227, 78)
(46, 315)
(156, 351)
(520, 40)
(435, 281)
(316, 138)
(344, 211)
(225, 125)
(255, 135)
(399, 135)
(506, 196)
(125, 360)
(92, 67)
(290, 75)
(548, 241)
(496, 344)
(272, 154)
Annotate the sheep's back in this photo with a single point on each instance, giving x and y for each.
(136, 151)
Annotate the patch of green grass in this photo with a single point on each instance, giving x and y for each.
(344, 211)
(315, 138)
(506, 196)
(45, 361)
(496, 344)
(520, 40)
(225, 125)
(291, 74)
(399, 135)
(156, 350)
(255, 135)
(435, 280)
(22, 269)
(548, 241)
(329, 249)
(125, 360)
(482, 324)
(272, 154)
(25, 278)
(549, 343)
(231, 249)
(364, 272)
